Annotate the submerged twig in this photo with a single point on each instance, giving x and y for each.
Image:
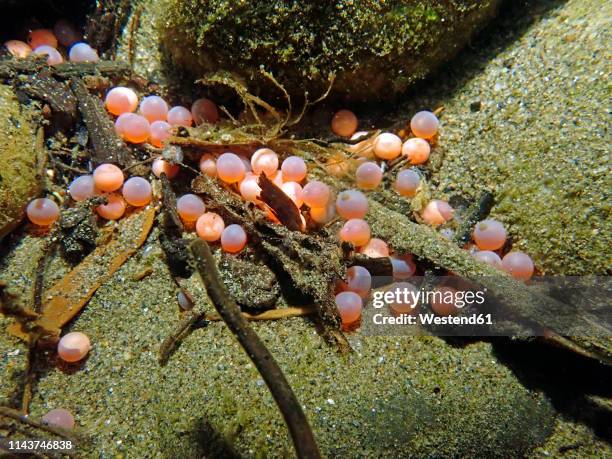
(303, 439)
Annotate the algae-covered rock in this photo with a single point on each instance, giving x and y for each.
(376, 49)
(19, 144)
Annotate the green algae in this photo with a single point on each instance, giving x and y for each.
(381, 46)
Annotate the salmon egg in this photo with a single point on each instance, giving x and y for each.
(53, 55)
(42, 212)
(67, 34)
(356, 231)
(403, 266)
(424, 124)
(316, 194)
(180, 116)
(266, 161)
(82, 52)
(159, 166)
(230, 168)
(18, 48)
(295, 192)
(82, 188)
(417, 150)
(407, 182)
(294, 169)
(137, 191)
(190, 207)
(204, 111)
(403, 299)
(376, 248)
(351, 204)
(323, 215)
(154, 108)
(437, 212)
(133, 128)
(387, 146)
(59, 417)
(42, 37)
(344, 123)
(443, 301)
(121, 100)
(249, 188)
(160, 131)
(349, 306)
(114, 209)
(73, 347)
(210, 226)
(489, 257)
(359, 280)
(489, 235)
(368, 176)
(519, 265)
(363, 149)
(208, 165)
(108, 177)
(233, 238)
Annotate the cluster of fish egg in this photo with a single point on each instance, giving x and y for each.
(49, 42)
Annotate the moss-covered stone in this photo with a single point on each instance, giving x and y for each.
(375, 49)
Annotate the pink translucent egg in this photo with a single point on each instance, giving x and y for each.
(137, 191)
(230, 168)
(53, 55)
(190, 207)
(67, 34)
(249, 188)
(417, 150)
(295, 192)
(114, 209)
(489, 257)
(159, 166)
(82, 52)
(316, 194)
(437, 212)
(42, 37)
(208, 165)
(233, 238)
(82, 188)
(73, 347)
(133, 128)
(154, 108)
(443, 301)
(424, 124)
(294, 169)
(323, 215)
(363, 149)
(204, 111)
(356, 231)
(489, 235)
(387, 146)
(18, 48)
(108, 177)
(42, 211)
(160, 131)
(403, 266)
(407, 182)
(403, 298)
(180, 116)
(210, 226)
(266, 161)
(59, 417)
(359, 280)
(349, 306)
(376, 248)
(519, 265)
(121, 100)
(368, 176)
(351, 204)
(344, 123)
(277, 179)
(247, 163)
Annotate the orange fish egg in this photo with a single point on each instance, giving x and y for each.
(519, 265)
(159, 166)
(437, 212)
(266, 161)
(424, 124)
(344, 123)
(387, 146)
(489, 235)
(356, 231)
(42, 212)
(114, 209)
(443, 301)
(349, 306)
(108, 177)
(160, 131)
(18, 48)
(180, 116)
(376, 248)
(417, 150)
(40, 37)
(210, 226)
(316, 194)
(368, 176)
(190, 207)
(121, 100)
(204, 111)
(133, 128)
(230, 168)
(295, 192)
(53, 55)
(73, 347)
(233, 238)
(137, 191)
(154, 108)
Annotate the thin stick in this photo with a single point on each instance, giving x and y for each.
(301, 434)
(272, 314)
